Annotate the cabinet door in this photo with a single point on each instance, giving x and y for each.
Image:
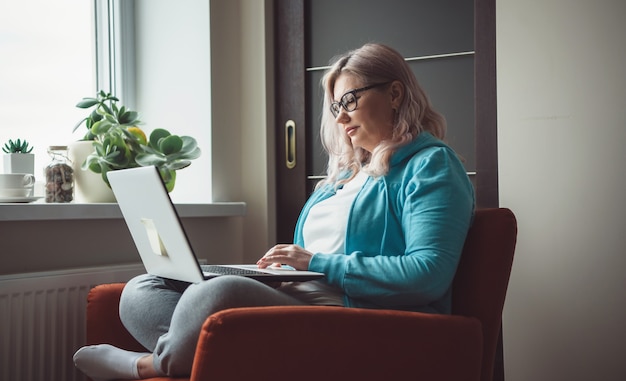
(442, 46)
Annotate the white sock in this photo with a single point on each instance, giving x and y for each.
(106, 362)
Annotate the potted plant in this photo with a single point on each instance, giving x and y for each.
(18, 157)
(118, 143)
(119, 147)
(88, 185)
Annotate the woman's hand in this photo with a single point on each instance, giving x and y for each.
(292, 255)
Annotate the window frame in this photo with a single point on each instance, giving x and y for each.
(114, 36)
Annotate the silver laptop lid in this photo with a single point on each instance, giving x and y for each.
(154, 224)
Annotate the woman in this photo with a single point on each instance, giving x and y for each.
(386, 226)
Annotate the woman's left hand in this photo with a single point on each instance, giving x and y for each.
(292, 255)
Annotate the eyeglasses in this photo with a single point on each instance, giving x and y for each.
(349, 100)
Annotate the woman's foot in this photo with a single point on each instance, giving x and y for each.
(106, 362)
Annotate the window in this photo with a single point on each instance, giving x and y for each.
(153, 54)
(46, 67)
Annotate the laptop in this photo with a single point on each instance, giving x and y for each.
(161, 240)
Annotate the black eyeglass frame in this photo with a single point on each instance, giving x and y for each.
(334, 107)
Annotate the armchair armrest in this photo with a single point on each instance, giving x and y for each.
(337, 343)
(103, 319)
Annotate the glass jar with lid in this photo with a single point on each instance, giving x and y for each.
(59, 176)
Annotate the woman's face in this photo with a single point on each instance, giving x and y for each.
(372, 121)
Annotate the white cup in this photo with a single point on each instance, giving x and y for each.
(16, 184)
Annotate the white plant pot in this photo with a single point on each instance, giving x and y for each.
(19, 163)
(89, 186)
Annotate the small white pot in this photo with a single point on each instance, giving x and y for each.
(89, 186)
(19, 163)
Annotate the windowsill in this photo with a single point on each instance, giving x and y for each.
(41, 211)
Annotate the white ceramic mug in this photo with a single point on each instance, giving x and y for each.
(16, 184)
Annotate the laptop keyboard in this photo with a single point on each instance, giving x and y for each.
(223, 270)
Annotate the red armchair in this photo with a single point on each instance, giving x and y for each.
(332, 343)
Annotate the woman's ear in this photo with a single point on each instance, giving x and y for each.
(397, 94)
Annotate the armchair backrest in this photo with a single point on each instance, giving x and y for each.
(482, 278)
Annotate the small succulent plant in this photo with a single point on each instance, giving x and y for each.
(18, 146)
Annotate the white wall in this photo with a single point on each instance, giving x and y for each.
(561, 75)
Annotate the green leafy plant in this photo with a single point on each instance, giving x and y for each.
(104, 106)
(119, 143)
(18, 146)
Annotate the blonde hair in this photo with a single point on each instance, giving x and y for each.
(372, 64)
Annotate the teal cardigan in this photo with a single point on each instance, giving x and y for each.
(405, 232)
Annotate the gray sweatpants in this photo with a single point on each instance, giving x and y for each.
(166, 316)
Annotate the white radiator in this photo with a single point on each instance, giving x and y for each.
(42, 320)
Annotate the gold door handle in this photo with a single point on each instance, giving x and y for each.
(290, 144)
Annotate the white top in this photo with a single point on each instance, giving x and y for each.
(324, 231)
